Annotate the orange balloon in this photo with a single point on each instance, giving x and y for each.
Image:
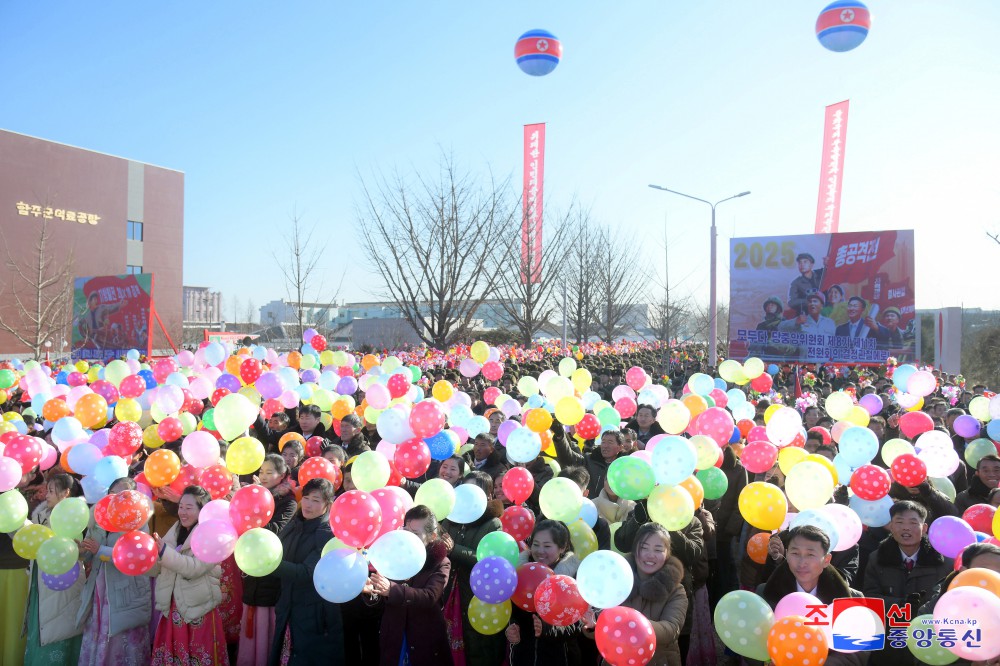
(695, 404)
(695, 489)
(243, 351)
(546, 437)
(792, 643)
(162, 467)
(539, 420)
(368, 361)
(289, 436)
(757, 547)
(340, 408)
(233, 365)
(294, 359)
(984, 579)
(64, 461)
(55, 409)
(91, 410)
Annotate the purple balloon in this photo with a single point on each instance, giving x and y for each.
(310, 375)
(967, 426)
(872, 403)
(100, 438)
(230, 382)
(347, 386)
(269, 385)
(62, 581)
(493, 579)
(503, 432)
(950, 535)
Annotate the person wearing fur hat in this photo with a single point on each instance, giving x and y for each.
(532, 640)
(657, 591)
(413, 623)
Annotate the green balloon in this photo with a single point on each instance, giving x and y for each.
(631, 478)
(208, 418)
(258, 552)
(498, 544)
(561, 499)
(714, 482)
(57, 555)
(437, 495)
(116, 371)
(7, 379)
(70, 517)
(370, 471)
(234, 413)
(744, 621)
(415, 373)
(978, 448)
(609, 416)
(933, 654)
(13, 511)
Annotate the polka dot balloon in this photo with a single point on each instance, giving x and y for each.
(792, 643)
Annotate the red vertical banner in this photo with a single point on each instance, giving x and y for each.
(531, 202)
(831, 175)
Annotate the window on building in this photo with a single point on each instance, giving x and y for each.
(134, 230)
(133, 270)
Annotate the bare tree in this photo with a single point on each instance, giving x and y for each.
(250, 313)
(40, 297)
(438, 246)
(527, 287)
(300, 267)
(581, 277)
(668, 315)
(620, 285)
(702, 325)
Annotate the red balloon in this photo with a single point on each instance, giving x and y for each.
(493, 370)
(218, 394)
(558, 601)
(426, 418)
(395, 478)
(195, 407)
(529, 577)
(909, 470)
(217, 480)
(745, 426)
(518, 521)
(626, 407)
(518, 484)
(758, 457)
(250, 370)
(317, 342)
(127, 510)
(824, 433)
(26, 450)
(799, 440)
(170, 429)
(762, 384)
(412, 458)
(392, 508)
(398, 385)
(163, 368)
(106, 390)
(870, 482)
(132, 386)
(135, 553)
(251, 506)
(490, 395)
(314, 447)
(625, 637)
(318, 467)
(589, 427)
(356, 518)
(101, 516)
(188, 476)
(912, 424)
(271, 407)
(980, 517)
(124, 439)
(345, 371)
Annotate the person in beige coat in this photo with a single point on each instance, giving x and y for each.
(188, 592)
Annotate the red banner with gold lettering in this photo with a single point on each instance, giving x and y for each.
(831, 173)
(531, 203)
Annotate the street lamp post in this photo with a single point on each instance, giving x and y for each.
(713, 321)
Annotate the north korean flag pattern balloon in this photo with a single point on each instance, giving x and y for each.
(843, 25)
(537, 52)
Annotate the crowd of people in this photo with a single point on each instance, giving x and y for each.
(187, 611)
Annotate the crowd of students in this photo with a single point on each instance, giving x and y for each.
(186, 611)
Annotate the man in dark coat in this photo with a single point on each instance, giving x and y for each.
(985, 479)
(485, 457)
(352, 438)
(728, 527)
(936, 502)
(308, 423)
(645, 425)
(612, 447)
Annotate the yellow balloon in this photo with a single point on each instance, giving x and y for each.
(128, 409)
(808, 485)
(489, 619)
(825, 462)
(322, 399)
(151, 438)
(671, 506)
(251, 394)
(442, 390)
(753, 368)
(326, 357)
(763, 505)
(583, 538)
(569, 411)
(581, 379)
(859, 416)
(674, 417)
(916, 407)
(480, 352)
(839, 405)
(82, 366)
(790, 456)
(245, 456)
(30, 538)
(769, 412)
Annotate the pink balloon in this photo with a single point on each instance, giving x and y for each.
(426, 418)
(200, 449)
(921, 383)
(216, 510)
(626, 407)
(469, 368)
(796, 603)
(758, 457)
(50, 456)
(378, 396)
(10, 473)
(717, 423)
(213, 540)
(392, 510)
(505, 429)
(635, 378)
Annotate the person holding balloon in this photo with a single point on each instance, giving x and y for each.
(52, 634)
(532, 640)
(115, 607)
(307, 628)
(188, 592)
(413, 627)
(261, 594)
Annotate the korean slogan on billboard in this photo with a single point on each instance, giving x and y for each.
(841, 298)
(111, 314)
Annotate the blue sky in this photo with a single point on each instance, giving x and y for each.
(278, 107)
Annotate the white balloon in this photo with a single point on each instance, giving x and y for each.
(398, 555)
(470, 504)
(604, 579)
(340, 575)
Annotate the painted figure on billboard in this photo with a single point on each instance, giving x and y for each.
(111, 314)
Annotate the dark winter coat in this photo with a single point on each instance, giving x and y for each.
(541, 473)
(725, 510)
(495, 465)
(414, 609)
(936, 503)
(654, 430)
(316, 625)
(595, 463)
(557, 646)
(466, 539)
(266, 590)
(356, 446)
(976, 493)
(662, 600)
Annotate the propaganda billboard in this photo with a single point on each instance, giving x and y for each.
(823, 298)
(111, 315)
